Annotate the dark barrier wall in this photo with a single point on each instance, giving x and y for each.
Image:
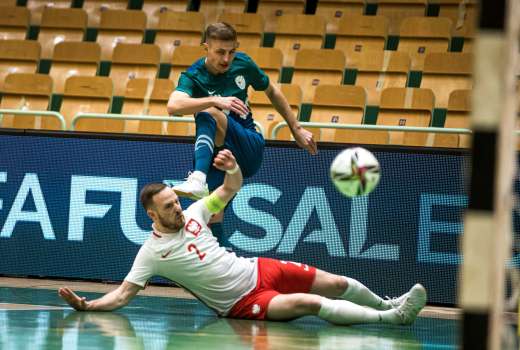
(69, 208)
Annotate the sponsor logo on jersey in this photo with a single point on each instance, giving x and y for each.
(240, 81)
(166, 254)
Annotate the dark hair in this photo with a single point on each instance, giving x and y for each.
(147, 193)
(220, 31)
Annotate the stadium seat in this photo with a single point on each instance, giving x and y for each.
(178, 28)
(213, 8)
(333, 11)
(120, 26)
(88, 95)
(13, 22)
(95, 8)
(73, 58)
(445, 72)
(269, 59)
(405, 107)
(296, 32)
(420, 36)
(358, 34)
(468, 33)
(149, 97)
(36, 8)
(59, 25)
(397, 10)
(458, 116)
(264, 112)
(18, 56)
(153, 8)
(183, 57)
(25, 91)
(317, 67)
(378, 70)
(463, 14)
(343, 104)
(131, 61)
(272, 9)
(249, 27)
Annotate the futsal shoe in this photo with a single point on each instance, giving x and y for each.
(194, 187)
(413, 303)
(394, 303)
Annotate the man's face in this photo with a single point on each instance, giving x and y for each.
(220, 55)
(168, 211)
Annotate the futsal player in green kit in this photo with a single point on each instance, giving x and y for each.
(215, 89)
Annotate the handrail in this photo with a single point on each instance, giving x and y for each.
(373, 127)
(27, 112)
(157, 118)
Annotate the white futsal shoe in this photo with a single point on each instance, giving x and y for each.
(411, 304)
(194, 187)
(394, 303)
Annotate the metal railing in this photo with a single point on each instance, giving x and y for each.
(154, 118)
(35, 113)
(280, 125)
(260, 128)
(157, 118)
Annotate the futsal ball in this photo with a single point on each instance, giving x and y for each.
(355, 172)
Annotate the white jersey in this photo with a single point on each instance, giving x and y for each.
(193, 259)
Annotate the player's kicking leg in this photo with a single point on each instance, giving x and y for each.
(211, 126)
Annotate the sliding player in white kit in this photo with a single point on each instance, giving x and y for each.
(182, 249)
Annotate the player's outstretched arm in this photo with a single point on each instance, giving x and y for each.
(303, 138)
(225, 161)
(115, 299)
(180, 103)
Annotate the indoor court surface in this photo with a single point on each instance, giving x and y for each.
(32, 316)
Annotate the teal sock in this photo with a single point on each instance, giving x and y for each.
(206, 128)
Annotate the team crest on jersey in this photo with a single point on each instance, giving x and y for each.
(240, 81)
(193, 227)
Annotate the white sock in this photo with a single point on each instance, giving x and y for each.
(199, 175)
(344, 312)
(358, 293)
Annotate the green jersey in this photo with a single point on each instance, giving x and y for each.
(197, 82)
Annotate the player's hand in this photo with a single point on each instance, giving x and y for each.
(74, 300)
(233, 104)
(305, 139)
(224, 160)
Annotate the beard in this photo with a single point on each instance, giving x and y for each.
(175, 225)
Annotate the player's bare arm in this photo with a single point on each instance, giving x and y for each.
(115, 299)
(303, 138)
(225, 161)
(180, 103)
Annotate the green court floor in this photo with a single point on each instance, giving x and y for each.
(39, 319)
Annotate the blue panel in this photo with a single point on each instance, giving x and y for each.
(69, 208)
